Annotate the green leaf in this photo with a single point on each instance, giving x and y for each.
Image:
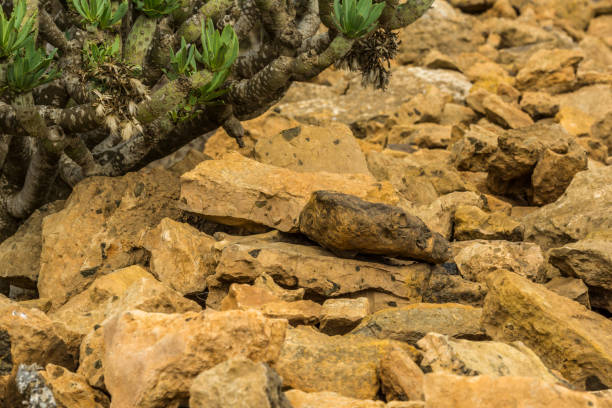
(356, 19)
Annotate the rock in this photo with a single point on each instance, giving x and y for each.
(567, 336)
(588, 259)
(420, 181)
(586, 206)
(238, 383)
(447, 286)
(423, 135)
(602, 130)
(238, 191)
(476, 260)
(453, 391)
(380, 300)
(516, 34)
(266, 282)
(347, 224)
(42, 304)
(594, 100)
(91, 355)
(353, 104)
(28, 336)
(406, 404)
(504, 114)
(430, 32)
(437, 60)
(181, 256)
(555, 171)
(58, 387)
(339, 316)
(439, 214)
(539, 105)
(595, 149)
(552, 71)
(266, 125)
(20, 253)
(473, 223)
(535, 163)
(575, 121)
(600, 27)
(331, 148)
(574, 289)
(597, 58)
(243, 297)
(131, 288)
(111, 213)
(425, 107)
(457, 114)
(472, 6)
(151, 359)
(348, 365)
(471, 358)
(473, 150)
(401, 378)
(591, 261)
(319, 271)
(327, 399)
(410, 323)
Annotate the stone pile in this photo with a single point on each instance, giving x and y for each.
(446, 243)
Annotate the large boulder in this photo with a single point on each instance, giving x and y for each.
(312, 361)
(151, 359)
(131, 288)
(100, 228)
(236, 190)
(567, 336)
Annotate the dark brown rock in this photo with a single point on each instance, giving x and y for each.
(347, 224)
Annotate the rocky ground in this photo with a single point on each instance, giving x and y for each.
(447, 243)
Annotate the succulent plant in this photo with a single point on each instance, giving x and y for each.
(182, 62)
(99, 13)
(14, 32)
(356, 19)
(219, 50)
(30, 68)
(97, 54)
(156, 8)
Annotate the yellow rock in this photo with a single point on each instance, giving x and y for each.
(567, 336)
